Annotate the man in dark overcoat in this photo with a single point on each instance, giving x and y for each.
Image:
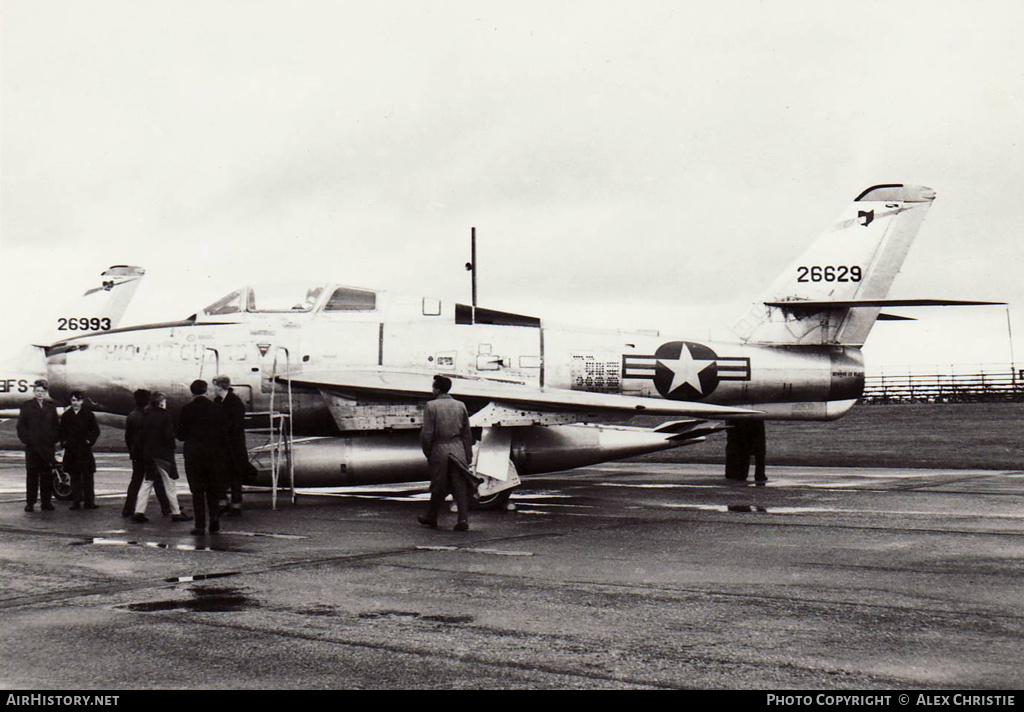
(445, 434)
(133, 439)
(745, 439)
(38, 432)
(201, 427)
(79, 431)
(237, 454)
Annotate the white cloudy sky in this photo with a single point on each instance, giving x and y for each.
(651, 164)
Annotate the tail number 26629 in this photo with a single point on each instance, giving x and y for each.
(841, 273)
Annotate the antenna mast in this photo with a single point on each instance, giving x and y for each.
(471, 267)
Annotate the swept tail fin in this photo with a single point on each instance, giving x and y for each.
(98, 309)
(855, 260)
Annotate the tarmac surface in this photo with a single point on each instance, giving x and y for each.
(618, 576)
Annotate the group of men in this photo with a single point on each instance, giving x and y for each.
(211, 426)
(216, 458)
(39, 429)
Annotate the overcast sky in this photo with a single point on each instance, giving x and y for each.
(648, 164)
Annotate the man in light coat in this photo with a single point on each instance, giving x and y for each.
(446, 434)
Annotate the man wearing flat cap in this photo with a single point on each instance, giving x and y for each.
(236, 456)
(38, 431)
(445, 435)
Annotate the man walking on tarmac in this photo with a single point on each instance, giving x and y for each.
(446, 434)
(133, 439)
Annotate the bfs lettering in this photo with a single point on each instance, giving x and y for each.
(13, 385)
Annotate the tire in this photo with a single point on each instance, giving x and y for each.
(61, 484)
(497, 502)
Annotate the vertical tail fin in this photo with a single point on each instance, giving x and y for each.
(857, 258)
(99, 309)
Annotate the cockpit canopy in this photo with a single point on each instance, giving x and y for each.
(292, 298)
(333, 303)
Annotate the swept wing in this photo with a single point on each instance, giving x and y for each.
(398, 384)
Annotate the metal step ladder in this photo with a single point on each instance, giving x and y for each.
(279, 446)
(279, 430)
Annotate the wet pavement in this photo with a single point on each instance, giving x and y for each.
(622, 575)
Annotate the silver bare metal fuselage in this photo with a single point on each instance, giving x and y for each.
(797, 383)
(366, 440)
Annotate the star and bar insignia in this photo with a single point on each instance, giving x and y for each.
(684, 370)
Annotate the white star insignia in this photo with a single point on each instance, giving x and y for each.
(686, 370)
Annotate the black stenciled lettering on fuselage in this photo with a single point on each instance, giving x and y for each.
(829, 273)
(84, 323)
(13, 385)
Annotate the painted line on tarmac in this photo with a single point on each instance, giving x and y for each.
(553, 504)
(268, 535)
(201, 577)
(833, 510)
(106, 541)
(653, 486)
(471, 550)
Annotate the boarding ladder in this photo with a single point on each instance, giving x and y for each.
(279, 430)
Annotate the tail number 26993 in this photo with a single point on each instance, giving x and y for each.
(83, 324)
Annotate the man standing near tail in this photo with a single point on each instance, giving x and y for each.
(38, 431)
(446, 434)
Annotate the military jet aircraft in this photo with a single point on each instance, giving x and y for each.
(352, 367)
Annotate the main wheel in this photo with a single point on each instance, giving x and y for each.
(61, 483)
(495, 502)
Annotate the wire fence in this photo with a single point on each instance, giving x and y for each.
(949, 384)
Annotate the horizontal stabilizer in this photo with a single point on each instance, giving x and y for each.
(894, 317)
(817, 305)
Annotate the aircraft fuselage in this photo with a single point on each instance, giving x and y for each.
(806, 383)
